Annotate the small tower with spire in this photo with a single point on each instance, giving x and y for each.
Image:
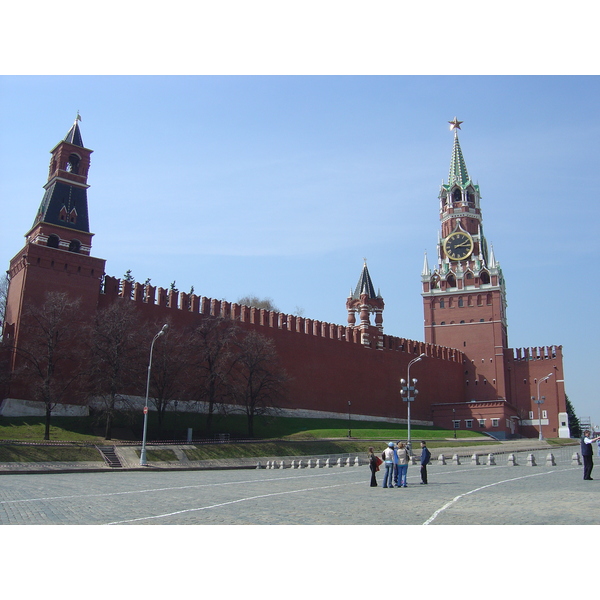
(364, 301)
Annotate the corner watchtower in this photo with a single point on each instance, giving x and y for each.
(56, 256)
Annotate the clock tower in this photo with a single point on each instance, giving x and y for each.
(464, 296)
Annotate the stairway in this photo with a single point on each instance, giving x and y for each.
(110, 456)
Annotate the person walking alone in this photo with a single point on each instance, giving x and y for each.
(425, 460)
(587, 453)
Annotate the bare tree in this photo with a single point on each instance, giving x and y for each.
(116, 357)
(256, 302)
(258, 382)
(211, 347)
(52, 339)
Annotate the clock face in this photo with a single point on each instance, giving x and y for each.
(458, 245)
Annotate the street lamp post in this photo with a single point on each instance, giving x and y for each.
(409, 393)
(349, 428)
(143, 461)
(539, 402)
(454, 421)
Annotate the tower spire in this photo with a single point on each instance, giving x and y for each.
(458, 168)
(364, 285)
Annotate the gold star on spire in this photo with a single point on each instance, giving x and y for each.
(455, 124)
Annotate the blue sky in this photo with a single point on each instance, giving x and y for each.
(278, 186)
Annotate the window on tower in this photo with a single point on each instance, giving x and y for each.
(72, 165)
(53, 241)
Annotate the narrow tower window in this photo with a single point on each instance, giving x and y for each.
(72, 165)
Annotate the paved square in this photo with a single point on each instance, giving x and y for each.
(456, 495)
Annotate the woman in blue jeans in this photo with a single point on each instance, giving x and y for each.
(403, 459)
(388, 459)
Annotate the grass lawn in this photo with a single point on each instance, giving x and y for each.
(275, 436)
(25, 454)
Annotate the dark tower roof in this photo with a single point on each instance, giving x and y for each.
(364, 285)
(74, 135)
(65, 199)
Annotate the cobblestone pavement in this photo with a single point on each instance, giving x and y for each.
(456, 495)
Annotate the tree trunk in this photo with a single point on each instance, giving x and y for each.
(209, 417)
(47, 426)
(251, 424)
(108, 430)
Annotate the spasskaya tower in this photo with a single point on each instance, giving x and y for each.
(464, 297)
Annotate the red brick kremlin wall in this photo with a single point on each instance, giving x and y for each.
(328, 364)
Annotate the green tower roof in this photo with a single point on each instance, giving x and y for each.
(458, 168)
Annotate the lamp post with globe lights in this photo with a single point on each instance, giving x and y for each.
(408, 392)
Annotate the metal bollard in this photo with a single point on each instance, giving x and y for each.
(455, 460)
(475, 459)
(441, 459)
(491, 460)
(575, 459)
(531, 460)
(550, 460)
(512, 461)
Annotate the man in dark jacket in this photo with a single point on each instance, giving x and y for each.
(425, 460)
(587, 452)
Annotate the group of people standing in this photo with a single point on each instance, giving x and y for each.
(395, 458)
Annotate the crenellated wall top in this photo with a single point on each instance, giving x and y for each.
(201, 305)
(536, 353)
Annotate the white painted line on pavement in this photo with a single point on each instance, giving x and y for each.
(168, 489)
(179, 512)
(483, 487)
